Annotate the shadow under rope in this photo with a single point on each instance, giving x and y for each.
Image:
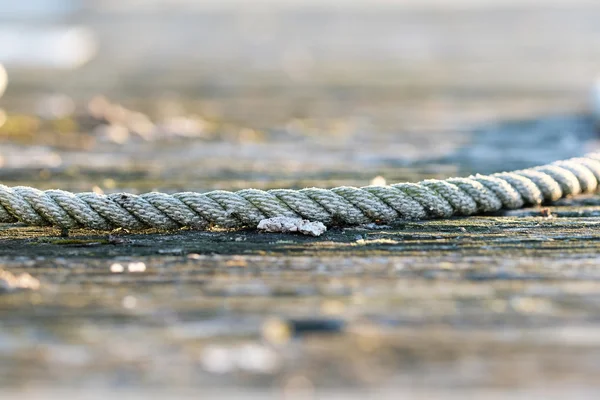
(517, 144)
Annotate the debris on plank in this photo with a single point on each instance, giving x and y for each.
(10, 282)
(288, 224)
(373, 226)
(280, 331)
(378, 181)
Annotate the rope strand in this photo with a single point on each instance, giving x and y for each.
(338, 206)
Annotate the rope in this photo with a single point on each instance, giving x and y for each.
(338, 206)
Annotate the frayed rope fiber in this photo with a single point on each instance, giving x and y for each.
(338, 206)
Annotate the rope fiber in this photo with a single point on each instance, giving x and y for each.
(338, 206)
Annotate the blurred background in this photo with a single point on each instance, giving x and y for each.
(197, 95)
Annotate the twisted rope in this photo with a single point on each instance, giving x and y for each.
(338, 206)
